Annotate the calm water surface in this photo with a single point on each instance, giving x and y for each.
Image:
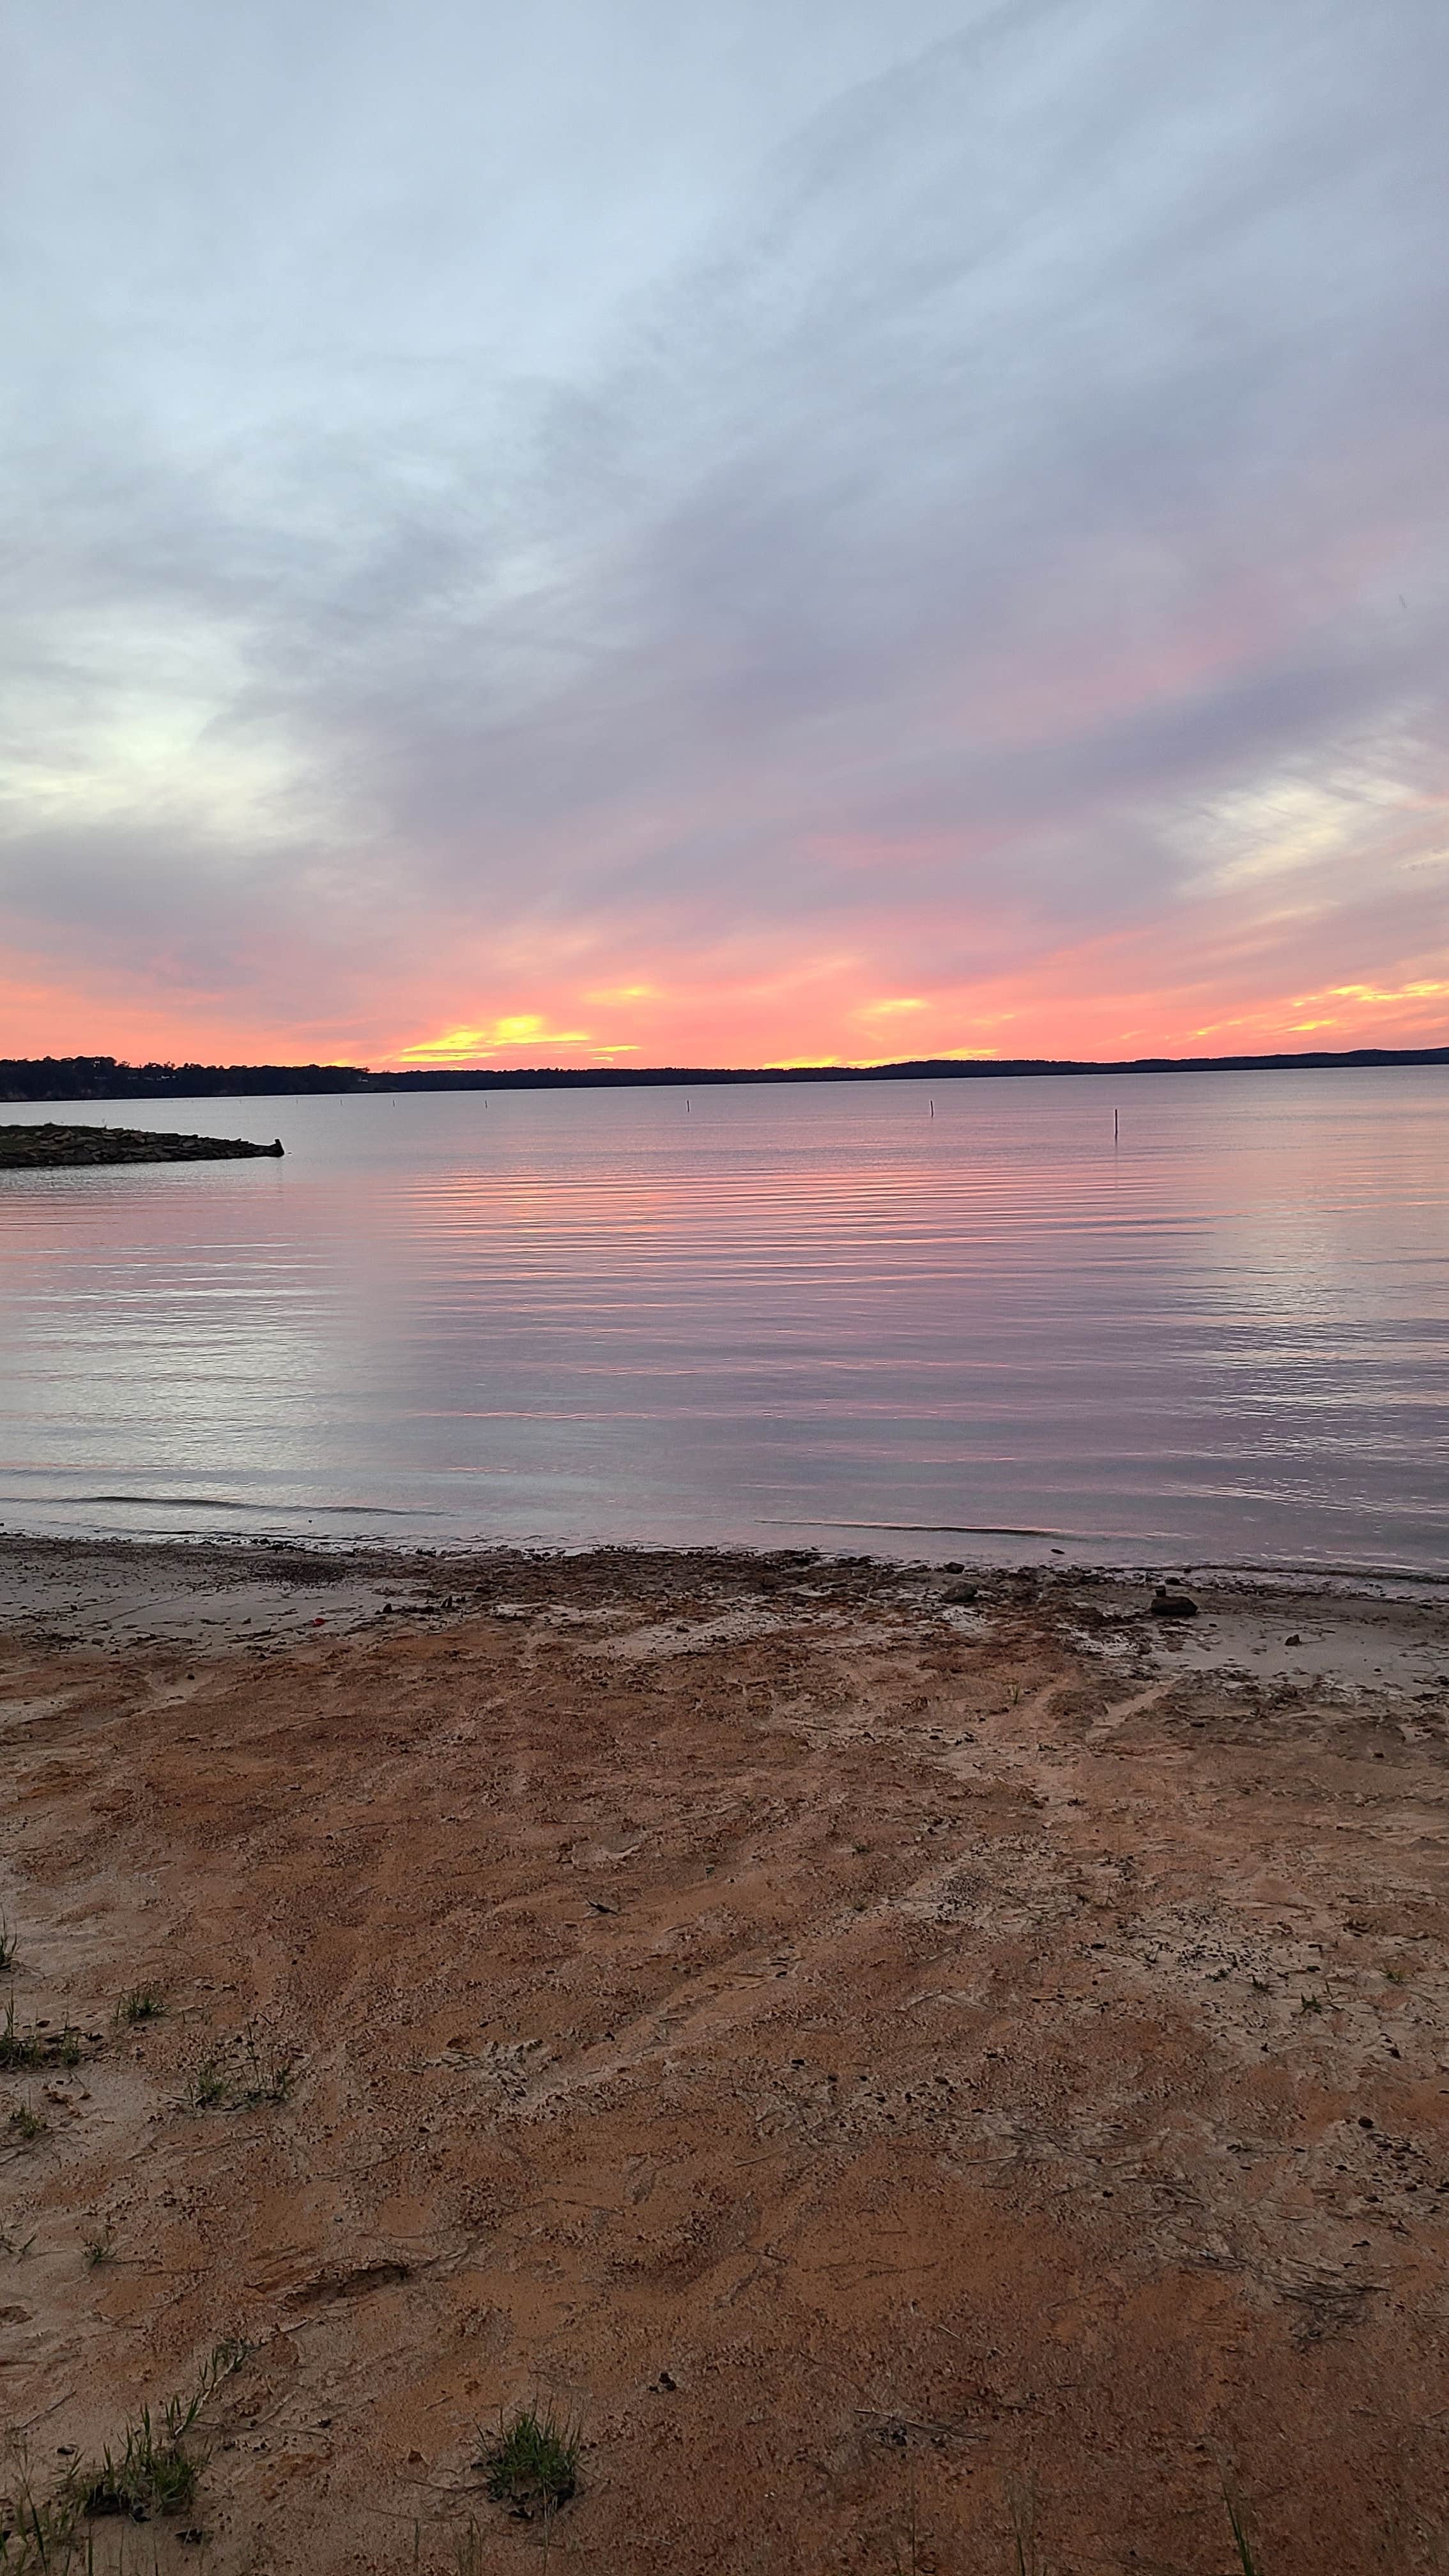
(759, 1314)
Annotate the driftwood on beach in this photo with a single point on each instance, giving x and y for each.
(51, 1148)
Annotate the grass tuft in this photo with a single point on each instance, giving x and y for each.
(533, 2465)
(1021, 2510)
(1246, 2560)
(17, 2047)
(29, 2047)
(159, 2467)
(155, 2473)
(9, 1946)
(99, 2248)
(38, 2536)
(239, 2077)
(206, 2086)
(267, 2079)
(26, 2124)
(140, 2003)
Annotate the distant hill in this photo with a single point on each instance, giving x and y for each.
(105, 1077)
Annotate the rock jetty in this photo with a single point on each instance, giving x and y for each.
(51, 1148)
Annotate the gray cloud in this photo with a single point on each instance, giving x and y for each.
(610, 489)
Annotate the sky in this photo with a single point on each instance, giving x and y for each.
(598, 532)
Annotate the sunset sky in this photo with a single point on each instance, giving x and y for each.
(604, 531)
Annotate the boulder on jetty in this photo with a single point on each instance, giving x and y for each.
(51, 1148)
(1168, 1603)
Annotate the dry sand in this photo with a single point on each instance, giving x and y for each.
(864, 2057)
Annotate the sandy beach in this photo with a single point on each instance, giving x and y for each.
(923, 2070)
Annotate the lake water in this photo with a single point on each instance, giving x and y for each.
(775, 1315)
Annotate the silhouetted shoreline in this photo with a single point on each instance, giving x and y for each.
(104, 1077)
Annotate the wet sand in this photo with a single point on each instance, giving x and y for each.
(867, 2057)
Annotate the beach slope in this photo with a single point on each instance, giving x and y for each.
(906, 2067)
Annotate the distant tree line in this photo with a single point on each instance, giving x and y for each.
(106, 1077)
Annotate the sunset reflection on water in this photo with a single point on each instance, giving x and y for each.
(758, 1314)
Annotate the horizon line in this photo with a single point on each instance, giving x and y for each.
(112, 1071)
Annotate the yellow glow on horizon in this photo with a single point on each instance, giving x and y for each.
(517, 1028)
(456, 1042)
(1427, 990)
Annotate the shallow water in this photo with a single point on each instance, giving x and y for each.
(878, 1315)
